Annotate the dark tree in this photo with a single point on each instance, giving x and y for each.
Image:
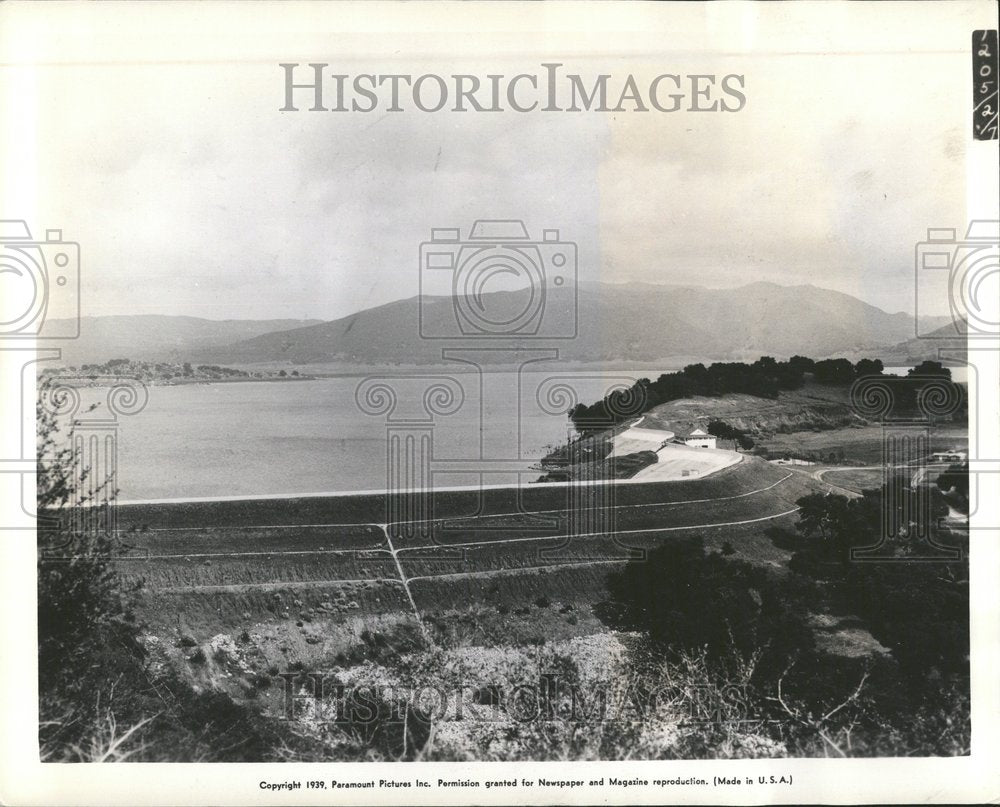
(85, 610)
(834, 371)
(868, 367)
(930, 368)
(684, 599)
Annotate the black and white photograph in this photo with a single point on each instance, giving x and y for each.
(499, 403)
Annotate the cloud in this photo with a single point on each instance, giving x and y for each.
(191, 194)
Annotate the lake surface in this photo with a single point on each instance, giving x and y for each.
(259, 438)
(243, 439)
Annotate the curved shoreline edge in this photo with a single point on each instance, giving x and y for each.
(381, 492)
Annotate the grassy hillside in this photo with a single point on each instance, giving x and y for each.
(864, 445)
(815, 406)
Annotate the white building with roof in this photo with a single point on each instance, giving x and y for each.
(699, 438)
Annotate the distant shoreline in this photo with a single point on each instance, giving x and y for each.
(338, 370)
(106, 379)
(636, 369)
(321, 371)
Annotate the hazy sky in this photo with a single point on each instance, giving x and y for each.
(158, 145)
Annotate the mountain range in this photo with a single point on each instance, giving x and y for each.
(611, 322)
(627, 322)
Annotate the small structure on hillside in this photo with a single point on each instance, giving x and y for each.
(699, 438)
(949, 456)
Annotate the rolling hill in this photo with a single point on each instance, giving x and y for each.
(627, 322)
(950, 341)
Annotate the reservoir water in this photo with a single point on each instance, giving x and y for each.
(331, 434)
(252, 438)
